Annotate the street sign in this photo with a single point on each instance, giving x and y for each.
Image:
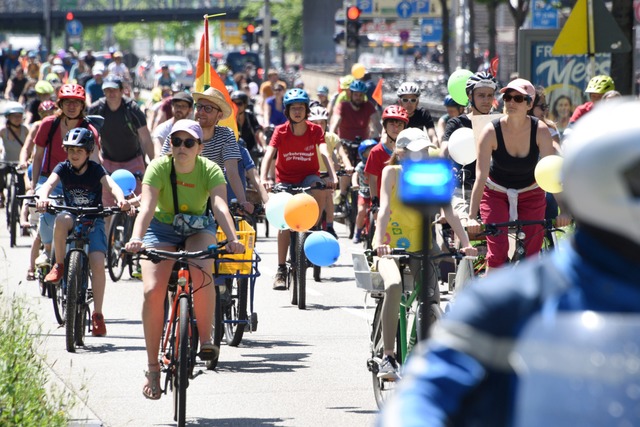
(74, 28)
(404, 35)
(404, 9)
(404, 24)
(365, 6)
(421, 7)
(231, 32)
(431, 30)
(544, 15)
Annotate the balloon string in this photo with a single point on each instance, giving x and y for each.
(464, 196)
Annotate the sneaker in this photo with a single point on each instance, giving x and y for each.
(43, 260)
(388, 369)
(331, 231)
(280, 282)
(98, 328)
(55, 275)
(357, 239)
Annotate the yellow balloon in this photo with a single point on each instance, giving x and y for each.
(547, 174)
(358, 70)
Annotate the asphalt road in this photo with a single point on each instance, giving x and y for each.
(300, 368)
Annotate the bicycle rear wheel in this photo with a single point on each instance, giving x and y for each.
(235, 310)
(14, 214)
(181, 380)
(301, 272)
(116, 261)
(292, 276)
(218, 330)
(371, 229)
(75, 267)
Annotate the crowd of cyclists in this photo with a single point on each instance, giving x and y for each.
(286, 136)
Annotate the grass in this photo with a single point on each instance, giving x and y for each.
(26, 397)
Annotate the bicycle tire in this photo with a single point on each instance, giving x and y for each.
(117, 238)
(82, 321)
(371, 229)
(235, 311)
(292, 277)
(301, 272)
(218, 330)
(74, 284)
(266, 227)
(14, 215)
(316, 273)
(353, 212)
(181, 380)
(382, 389)
(42, 285)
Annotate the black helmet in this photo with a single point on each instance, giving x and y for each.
(79, 137)
(242, 96)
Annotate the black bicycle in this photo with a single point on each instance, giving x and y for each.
(117, 260)
(15, 188)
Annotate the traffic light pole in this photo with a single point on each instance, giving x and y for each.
(266, 35)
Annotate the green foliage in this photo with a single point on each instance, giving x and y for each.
(25, 398)
(178, 32)
(289, 16)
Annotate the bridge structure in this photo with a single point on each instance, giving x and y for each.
(33, 16)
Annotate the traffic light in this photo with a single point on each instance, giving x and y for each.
(69, 16)
(353, 26)
(248, 36)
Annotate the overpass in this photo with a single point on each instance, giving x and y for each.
(29, 16)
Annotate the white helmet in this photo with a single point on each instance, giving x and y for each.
(414, 139)
(408, 88)
(601, 169)
(318, 113)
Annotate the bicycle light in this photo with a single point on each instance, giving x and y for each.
(426, 182)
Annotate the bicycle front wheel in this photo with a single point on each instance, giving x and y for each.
(301, 272)
(383, 389)
(116, 241)
(181, 379)
(292, 275)
(75, 266)
(14, 215)
(235, 310)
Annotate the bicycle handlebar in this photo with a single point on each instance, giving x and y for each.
(81, 210)
(279, 188)
(157, 255)
(399, 252)
(494, 227)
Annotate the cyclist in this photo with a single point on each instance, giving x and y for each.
(12, 138)
(463, 376)
(44, 92)
(361, 180)
(82, 181)
(297, 162)
(354, 116)
(597, 87)
(196, 180)
(394, 121)
(344, 94)
(248, 125)
(453, 110)
(419, 117)
(399, 226)
(323, 95)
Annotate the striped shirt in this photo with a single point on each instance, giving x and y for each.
(222, 147)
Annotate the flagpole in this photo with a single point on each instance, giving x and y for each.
(591, 39)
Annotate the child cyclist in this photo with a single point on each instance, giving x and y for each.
(361, 180)
(296, 162)
(82, 180)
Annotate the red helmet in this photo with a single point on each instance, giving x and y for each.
(71, 91)
(46, 106)
(395, 112)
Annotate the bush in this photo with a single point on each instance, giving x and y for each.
(26, 398)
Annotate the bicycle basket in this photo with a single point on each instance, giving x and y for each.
(365, 278)
(242, 263)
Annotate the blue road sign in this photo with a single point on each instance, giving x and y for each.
(431, 30)
(421, 7)
(366, 6)
(404, 9)
(74, 28)
(544, 15)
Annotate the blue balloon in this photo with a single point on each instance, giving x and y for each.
(125, 180)
(321, 248)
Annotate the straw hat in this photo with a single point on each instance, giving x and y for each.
(215, 96)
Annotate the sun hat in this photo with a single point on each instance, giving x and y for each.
(215, 96)
(521, 86)
(190, 126)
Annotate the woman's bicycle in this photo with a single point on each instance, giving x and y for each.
(180, 338)
(15, 188)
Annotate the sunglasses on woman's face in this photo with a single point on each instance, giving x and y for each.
(188, 143)
(543, 107)
(515, 98)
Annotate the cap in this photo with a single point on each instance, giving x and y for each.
(413, 139)
(58, 69)
(183, 96)
(190, 126)
(112, 82)
(272, 72)
(521, 86)
(97, 69)
(117, 54)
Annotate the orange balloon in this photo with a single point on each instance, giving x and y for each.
(301, 212)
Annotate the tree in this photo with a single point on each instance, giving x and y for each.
(289, 16)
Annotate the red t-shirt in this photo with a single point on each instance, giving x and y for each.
(55, 153)
(297, 157)
(354, 122)
(580, 111)
(377, 160)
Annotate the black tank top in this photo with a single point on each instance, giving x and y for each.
(514, 172)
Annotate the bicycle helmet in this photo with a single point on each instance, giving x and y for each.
(13, 107)
(364, 146)
(346, 81)
(449, 102)
(79, 137)
(395, 112)
(601, 169)
(240, 95)
(222, 70)
(71, 91)
(46, 106)
(480, 79)
(358, 86)
(600, 84)
(323, 90)
(53, 78)
(318, 113)
(413, 139)
(43, 87)
(296, 95)
(408, 88)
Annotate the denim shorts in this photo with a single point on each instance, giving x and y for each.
(160, 234)
(97, 236)
(46, 219)
(308, 181)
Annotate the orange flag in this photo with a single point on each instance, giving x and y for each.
(377, 93)
(206, 77)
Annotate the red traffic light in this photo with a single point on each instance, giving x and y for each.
(69, 16)
(353, 13)
(251, 28)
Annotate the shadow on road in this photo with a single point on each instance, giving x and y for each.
(265, 363)
(239, 422)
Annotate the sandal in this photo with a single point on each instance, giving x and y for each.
(208, 351)
(31, 275)
(152, 390)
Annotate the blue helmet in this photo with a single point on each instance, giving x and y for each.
(449, 102)
(358, 86)
(364, 145)
(296, 95)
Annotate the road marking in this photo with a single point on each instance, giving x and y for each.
(363, 314)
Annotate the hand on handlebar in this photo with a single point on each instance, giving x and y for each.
(134, 245)
(473, 226)
(234, 247)
(42, 204)
(383, 250)
(469, 251)
(563, 220)
(267, 184)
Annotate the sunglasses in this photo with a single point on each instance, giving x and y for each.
(515, 98)
(543, 107)
(239, 104)
(207, 108)
(411, 100)
(188, 143)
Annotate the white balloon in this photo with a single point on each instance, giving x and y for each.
(274, 209)
(462, 146)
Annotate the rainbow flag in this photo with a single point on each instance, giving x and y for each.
(206, 77)
(377, 93)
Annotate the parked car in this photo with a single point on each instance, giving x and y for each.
(147, 70)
